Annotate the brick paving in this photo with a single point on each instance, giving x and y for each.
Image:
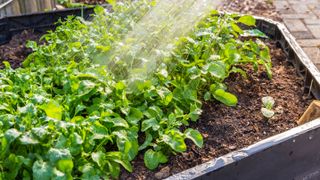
(302, 17)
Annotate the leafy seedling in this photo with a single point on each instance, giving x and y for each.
(268, 103)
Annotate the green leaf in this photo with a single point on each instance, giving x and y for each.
(120, 86)
(118, 157)
(28, 139)
(40, 132)
(195, 112)
(79, 108)
(4, 107)
(13, 164)
(134, 116)
(236, 28)
(131, 149)
(207, 96)
(253, 33)
(119, 122)
(99, 131)
(11, 135)
(33, 45)
(114, 169)
(175, 141)
(268, 102)
(53, 110)
(247, 20)
(112, 2)
(41, 170)
(6, 64)
(58, 175)
(152, 159)
(240, 71)
(150, 123)
(28, 109)
(225, 97)
(147, 141)
(267, 112)
(58, 154)
(65, 165)
(89, 172)
(217, 69)
(99, 9)
(123, 138)
(195, 136)
(265, 55)
(154, 112)
(268, 69)
(214, 87)
(166, 95)
(99, 158)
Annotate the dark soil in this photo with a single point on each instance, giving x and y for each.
(263, 8)
(226, 129)
(16, 51)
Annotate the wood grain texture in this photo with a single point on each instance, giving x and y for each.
(2, 11)
(31, 6)
(47, 5)
(313, 112)
(18, 7)
(22, 6)
(15, 8)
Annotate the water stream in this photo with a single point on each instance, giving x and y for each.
(152, 37)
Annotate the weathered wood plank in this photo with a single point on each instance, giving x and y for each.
(47, 5)
(2, 11)
(8, 9)
(312, 112)
(22, 6)
(15, 8)
(39, 5)
(31, 6)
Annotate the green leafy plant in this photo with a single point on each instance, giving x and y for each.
(71, 4)
(63, 116)
(268, 103)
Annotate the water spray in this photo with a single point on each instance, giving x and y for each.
(153, 36)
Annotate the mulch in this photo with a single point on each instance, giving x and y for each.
(16, 51)
(264, 8)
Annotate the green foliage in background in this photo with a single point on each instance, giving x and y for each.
(72, 4)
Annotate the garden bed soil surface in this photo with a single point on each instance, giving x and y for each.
(16, 51)
(227, 129)
(263, 8)
(224, 129)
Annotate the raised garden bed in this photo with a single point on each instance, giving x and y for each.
(289, 155)
(37, 22)
(226, 129)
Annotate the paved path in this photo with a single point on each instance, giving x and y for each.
(302, 17)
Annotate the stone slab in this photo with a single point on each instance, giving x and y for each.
(295, 25)
(313, 53)
(315, 30)
(309, 42)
